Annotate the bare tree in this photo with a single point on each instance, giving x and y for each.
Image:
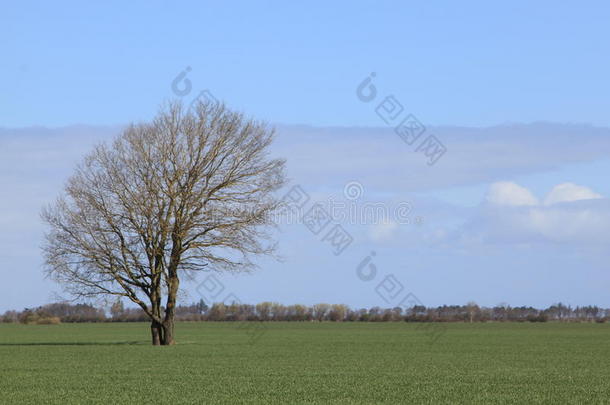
(473, 309)
(191, 190)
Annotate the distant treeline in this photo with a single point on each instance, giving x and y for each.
(268, 311)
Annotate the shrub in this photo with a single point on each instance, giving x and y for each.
(28, 317)
(51, 320)
(10, 317)
(537, 318)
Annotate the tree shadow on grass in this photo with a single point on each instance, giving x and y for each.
(135, 342)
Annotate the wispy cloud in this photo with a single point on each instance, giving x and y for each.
(35, 163)
(379, 159)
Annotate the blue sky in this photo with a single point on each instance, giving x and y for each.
(515, 211)
(455, 63)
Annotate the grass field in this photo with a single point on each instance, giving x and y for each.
(306, 363)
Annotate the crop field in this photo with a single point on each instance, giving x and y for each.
(306, 363)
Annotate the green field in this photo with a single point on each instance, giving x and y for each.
(306, 363)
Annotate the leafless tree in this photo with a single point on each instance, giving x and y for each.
(473, 309)
(192, 190)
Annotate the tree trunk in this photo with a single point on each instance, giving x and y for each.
(170, 308)
(155, 302)
(168, 332)
(156, 330)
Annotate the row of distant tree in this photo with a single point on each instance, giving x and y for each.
(269, 311)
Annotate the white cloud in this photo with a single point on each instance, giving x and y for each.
(515, 217)
(508, 193)
(575, 224)
(568, 192)
(383, 231)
